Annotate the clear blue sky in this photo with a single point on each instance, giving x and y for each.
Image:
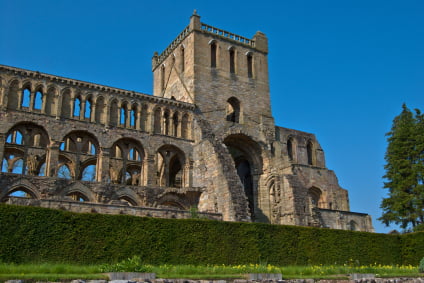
(339, 69)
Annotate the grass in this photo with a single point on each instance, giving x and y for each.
(55, 272)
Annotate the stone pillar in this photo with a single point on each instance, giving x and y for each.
(2, 143)
(149, 170)
(82, 110)
(93, 112)
(59, 107)
(128, 118)
(3, 98)
(31, 101)
(138, 119)
(52, 158)
(103, 162)
(19, 106)
(106, 114)
(149, 121)
(187, 174)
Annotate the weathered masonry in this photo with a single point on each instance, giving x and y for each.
(205, 141)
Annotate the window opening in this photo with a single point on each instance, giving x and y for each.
(38, 101)
(213, 55)
(26, 97)
(77, 107)
(232, 61)
(249, 65)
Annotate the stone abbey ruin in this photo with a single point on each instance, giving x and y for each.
(204, 143)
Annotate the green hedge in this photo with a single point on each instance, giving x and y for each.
(31, 234)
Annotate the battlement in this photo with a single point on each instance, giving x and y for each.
(228, 35)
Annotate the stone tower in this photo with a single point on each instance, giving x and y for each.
(206, 139)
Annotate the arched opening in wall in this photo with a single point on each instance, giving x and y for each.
(185, 127)
(38, 100)
(88, 108)
(162, 78)
(249, 59)
(13, 95)
(123, 115)
(310, 153)
(100, 106)
(133, 116)
(157, 129)
(232, 54)
(175, 122)
(25, 149)
(63, 172)
(233, 110)
(291, 149)
(315, 198)
(88, 172)
(128, 200)
(114, 113)
(20, 192)
(247, 158)
(213, 54)
(66, 104)
(26, 97)
(77, 196)
(166, 122)
(77, 107)
(353, 226)
(182, 55)
(170, 162)
(42, 169)
(126, 162)
(79, 154)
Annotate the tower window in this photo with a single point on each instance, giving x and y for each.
(249, 65)
(233, 110)
(182, 59)
(162, 78)
(213, 55)
(232, 61)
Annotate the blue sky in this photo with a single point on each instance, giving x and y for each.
(339, 69)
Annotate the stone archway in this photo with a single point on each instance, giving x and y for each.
(246, 154)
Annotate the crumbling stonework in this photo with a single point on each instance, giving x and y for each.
(205, 140)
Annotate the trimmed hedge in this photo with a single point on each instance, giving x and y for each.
(33, 234)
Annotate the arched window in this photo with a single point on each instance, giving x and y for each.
(213, 55)
(232, 60)
(114, 112)
(175, 124)
(100, 105)
(126, 162)
(42, 170)
(182, 66)
(26, 97)
(89, 173)
(162, 78)
(77, 196)
(64, 172)
(233, 110)
(353, 226)
(66, 104)
(123, 116)
(249, 58)
(170, 166)
(133, 116)
(310, 152)
(290, 149)
(88, 108)
(77, 107)
(166, 122)
(38, 100)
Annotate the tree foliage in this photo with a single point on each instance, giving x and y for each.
(405, 171)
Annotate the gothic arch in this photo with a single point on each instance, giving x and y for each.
(78, 192)
(126, 162)
(246, 154)
(171, 167)
(233, 110)
(13, 95)
(23, 190)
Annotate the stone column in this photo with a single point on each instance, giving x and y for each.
(138, 119)
(93, 112)
(52, 158)
(19, 106)
(82, 110)
(31, 101)
(59, 107)
(103, 165)
(128, 118)
(149, 170)
(2, 143)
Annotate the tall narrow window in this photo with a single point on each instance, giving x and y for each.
(26, 97)
(162, 78)
(213, 55)
(87, 110)
(232, 59)
(123, 116)
(290, 149)
(182, 59)
(233, 110)
(77, 107)
(310, 150)
(38, 100)
(249, 65)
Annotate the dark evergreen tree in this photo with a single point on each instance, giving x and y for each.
(405, 171)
